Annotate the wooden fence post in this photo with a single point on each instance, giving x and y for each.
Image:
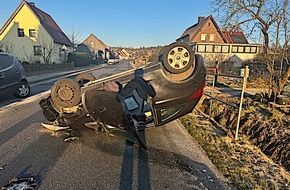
(245, 74)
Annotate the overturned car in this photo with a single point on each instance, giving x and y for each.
(151, 95)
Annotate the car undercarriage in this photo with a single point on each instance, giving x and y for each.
(151, 95)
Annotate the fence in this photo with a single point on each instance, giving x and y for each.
(244, 75)
(30, 68)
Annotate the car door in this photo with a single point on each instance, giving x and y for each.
(1, 80)
(104, 106)
(10, 74)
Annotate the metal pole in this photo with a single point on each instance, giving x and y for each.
(212, 93)
(245, 74)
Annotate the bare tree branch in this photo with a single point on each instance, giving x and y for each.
(271, 18)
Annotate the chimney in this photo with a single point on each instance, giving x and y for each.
(200, 19)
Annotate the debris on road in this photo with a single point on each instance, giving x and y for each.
(2, 167)
(68, 139)
(21, 184)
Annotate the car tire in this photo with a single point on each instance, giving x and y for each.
(177, 57)
(23, 90)
(84, 78)
(65, 93)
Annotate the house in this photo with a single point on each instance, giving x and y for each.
(96, 45)
(205, 30)
(83, 48)
(214, 44)
(123, 54)
(33, 36)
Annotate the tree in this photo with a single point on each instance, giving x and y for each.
(1, 47)
(46, 53)
(271, 19)
(7, 47)
(74, 37)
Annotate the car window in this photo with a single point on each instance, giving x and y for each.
(5, 61)
(168, 113)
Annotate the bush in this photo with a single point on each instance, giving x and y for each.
(153, 58)
(80, 59)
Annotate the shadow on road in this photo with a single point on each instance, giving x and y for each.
(30, 162)
(194, 174)
(126, 179)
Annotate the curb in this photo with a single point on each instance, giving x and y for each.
(61, 73)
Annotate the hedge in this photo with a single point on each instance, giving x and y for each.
(80, 59)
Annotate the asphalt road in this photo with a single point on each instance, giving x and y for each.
(99, 161)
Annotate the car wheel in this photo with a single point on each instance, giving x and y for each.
(23, 91)
(177, 57)
(65, 93)
(84, 78)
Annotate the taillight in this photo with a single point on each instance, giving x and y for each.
(198, 93)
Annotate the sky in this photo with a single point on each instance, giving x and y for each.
(125, 23)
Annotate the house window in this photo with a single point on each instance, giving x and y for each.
(203, 37)
(20, 32)
(218, 48)
(225, 49)
(212, 37)
(200, 48)
(238, 49)
(241, 49)
(209, 48)
(32, 33)
(254, 49)
(37, 50)
(40, 16)
(60, 35)
(247, 49)
(235, 49)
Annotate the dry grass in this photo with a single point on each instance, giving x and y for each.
(241, 162)
(244, 164)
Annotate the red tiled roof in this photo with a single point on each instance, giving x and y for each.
(236, 37)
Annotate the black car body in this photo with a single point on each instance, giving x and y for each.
(152, 95)
(12, 77)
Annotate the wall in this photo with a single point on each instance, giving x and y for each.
(208, 28)
(234, 53)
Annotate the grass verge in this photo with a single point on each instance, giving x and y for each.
(242, 163)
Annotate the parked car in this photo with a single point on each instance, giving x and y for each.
(111, 61)
(12, 77)
(151, 95)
